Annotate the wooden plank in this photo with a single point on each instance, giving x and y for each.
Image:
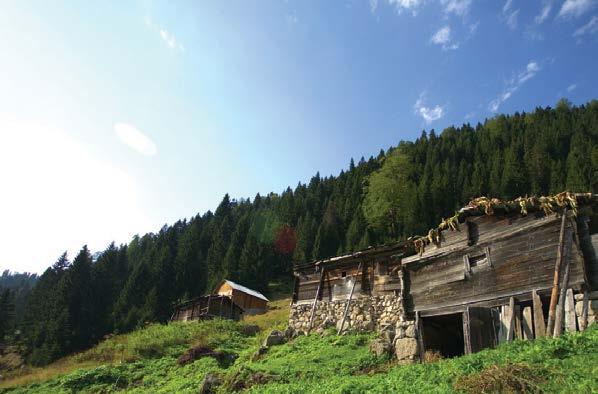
(390, 286)
(583, 319)
(527, 323)
(556, 277)
(502, 328)
(419, 334)
(539, 325)
(570, 320)
(340, 330)
(466, 265)
(466, 331)
(511, 320)
(313, 308)
(518, 331)
(558, 322)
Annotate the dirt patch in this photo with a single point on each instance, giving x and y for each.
(509, 378)
(202, 351)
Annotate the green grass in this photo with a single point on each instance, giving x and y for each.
(145, 361)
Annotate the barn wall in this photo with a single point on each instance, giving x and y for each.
(509, 256)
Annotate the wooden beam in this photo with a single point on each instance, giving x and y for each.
(527, 323)
(466, 331)
(539, 325)
(570, 320)
(518, 331)
(419, 334)
(313, 308)
(557, 274)
(340, 330)
(511, 320)
(583, 319)
(558, 322)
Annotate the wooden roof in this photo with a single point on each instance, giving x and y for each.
(477, 207)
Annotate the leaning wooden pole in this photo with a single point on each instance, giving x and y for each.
(557, 273)
(340, 330)
(313, 308)
(558, 321)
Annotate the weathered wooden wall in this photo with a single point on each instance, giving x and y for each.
(377, 277)
(505, 257)
(207, 306)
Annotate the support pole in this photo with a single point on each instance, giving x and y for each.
(583, 319)
(511, 320)
(557, 274)
(420, 337)
(539, 326)
(340, 330)
(313, 308)
(466, 331)
(558, 323)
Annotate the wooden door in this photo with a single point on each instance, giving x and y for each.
(479, 329)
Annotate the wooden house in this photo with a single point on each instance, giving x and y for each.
(494, 272)
(250, 301)
(207, 307)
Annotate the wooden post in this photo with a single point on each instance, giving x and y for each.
(502, 328)
(313, 308)
(527, 323)
(419, 334)
(557, 274)
(221, 301)
(340, 330)
(558, 322)
(570, 325)
(583, 319)
(466, 331)
(518, 332)
(539, 325)
(511, 320)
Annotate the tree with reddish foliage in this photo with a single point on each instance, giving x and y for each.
(286, 240)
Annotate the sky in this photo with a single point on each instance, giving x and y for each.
(119, 117)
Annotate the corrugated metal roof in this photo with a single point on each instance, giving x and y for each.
(244, 289)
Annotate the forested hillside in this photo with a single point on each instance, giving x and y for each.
(400, 192)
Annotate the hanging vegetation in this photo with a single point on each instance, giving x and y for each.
(488, 206)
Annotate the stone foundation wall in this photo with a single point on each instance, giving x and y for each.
(384, 314)
(592, 307)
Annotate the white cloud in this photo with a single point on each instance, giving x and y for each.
(428, 114)
(575, 8)
(512, 19)
(571, 87)
(170, 40)
(373, 6)
(589, 28)
(510, 15)
(135, 139)
(514, 84)
(406, 5)
(166, 36)
(73, 196)
(543, 15)
(458, 7)
(443, 38)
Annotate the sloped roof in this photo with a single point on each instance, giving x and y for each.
(244, 289)
(476, 207)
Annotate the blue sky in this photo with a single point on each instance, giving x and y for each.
(118, 117)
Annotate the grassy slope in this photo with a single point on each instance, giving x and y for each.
(145, 360)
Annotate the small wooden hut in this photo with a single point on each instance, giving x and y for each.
(251, 301)
(207, 307)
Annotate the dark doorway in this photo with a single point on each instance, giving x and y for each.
(444, 334)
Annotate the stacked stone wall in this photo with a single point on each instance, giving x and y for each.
(383, 314)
